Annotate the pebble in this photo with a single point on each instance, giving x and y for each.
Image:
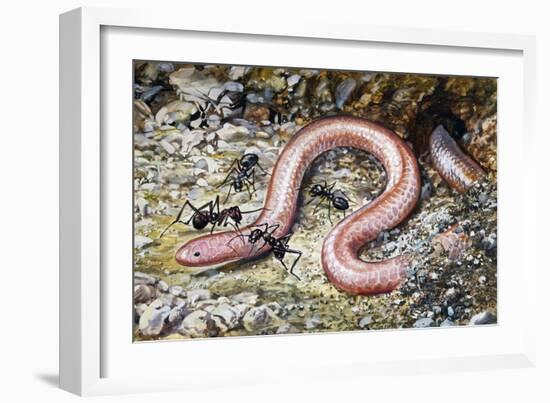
(287, 328)
(313, 322)
(163, 286)
(233, 86)
(202, 182)
(165, 67)
(365, 322)
(195, 324)
(343, 91)
(168, 147)
(447, 322)
(257, 112)
(151, 93)
(227, 314)
(143, 206)
(194, 296)
(483, 318)
(229, 132)
(152, 320)
(236, 72)
(451, 293)
(424, 322)
(141, 242)
(144, 293)
(245, 298)
(142, 278)
(260, 318)
(293, 80)
(178, 313)
(176, 290)
(201, 164)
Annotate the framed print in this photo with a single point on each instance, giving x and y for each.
(238, 196)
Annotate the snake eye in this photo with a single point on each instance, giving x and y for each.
(197, 253)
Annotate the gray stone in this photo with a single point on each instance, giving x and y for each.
(293, 80)
(144, 293)
(227, 314)
(260, 318)
(142, 278)
(202, 164)
(233, 86)
(152, 320)
(483, 318)
(343, 91)
(194, 296)
(446, 323)
(178, 313)
(365, 322)
(245, 298)
(424, 322)
(167, 299)
(287, 328)
(313, 322)
(176, 290)
(168, 147)
(163, 286)
(450, 311)
(143, 206)
(141, 242)
(241, 310)
(195, 324)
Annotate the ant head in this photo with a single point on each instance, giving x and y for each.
(235, 213)
(316, 190)
(255, 234)
(200, 220)
(248, 161)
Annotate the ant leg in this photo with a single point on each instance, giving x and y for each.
(299, 253)
(310, 201)
(253, 181)
(321, 199)
(216, 205)
(347, 197)
(275, 228)
(228, 193)
(178, 217)
(253, 211)
(231, 171)
(291, 270)
(286, 238)
(262, 169)
(329, 206)
(239, 235)
(248, 190)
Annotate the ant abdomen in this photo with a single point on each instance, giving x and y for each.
(248, 161)
(200, 221)
(340, 203)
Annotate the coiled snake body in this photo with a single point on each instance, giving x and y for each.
(339, 255)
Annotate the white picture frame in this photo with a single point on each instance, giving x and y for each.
(87, 309)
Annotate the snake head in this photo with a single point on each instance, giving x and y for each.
(193, 253)
(209, 250)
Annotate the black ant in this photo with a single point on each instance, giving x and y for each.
(242, 175)
(338, 199)
(210, 213)
(279, 246)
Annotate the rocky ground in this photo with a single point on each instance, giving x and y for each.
(191, 122)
